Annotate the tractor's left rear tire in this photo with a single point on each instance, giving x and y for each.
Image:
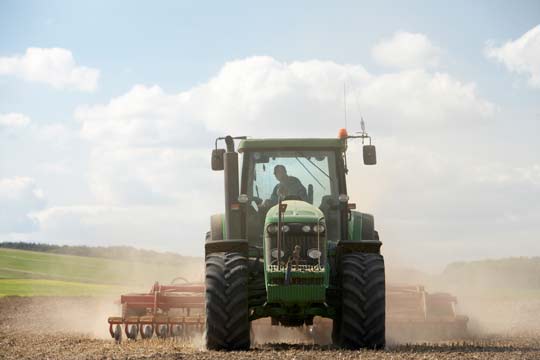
(227, 311)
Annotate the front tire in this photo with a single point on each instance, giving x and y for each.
(360, 321)
(227, 311)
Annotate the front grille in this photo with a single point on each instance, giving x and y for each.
(289, 241)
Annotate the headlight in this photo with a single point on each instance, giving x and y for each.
(272, 228)
(285, 228)
(274, 253)
(314, 253)
(318, 228)
(306, 228)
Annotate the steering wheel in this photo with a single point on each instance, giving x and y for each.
(292, 197)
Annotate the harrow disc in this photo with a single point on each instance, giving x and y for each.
(131, 331)
(162, 331)
(147, 331)
(118, 333)
(176, 330)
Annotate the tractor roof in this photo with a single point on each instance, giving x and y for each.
(284, 144)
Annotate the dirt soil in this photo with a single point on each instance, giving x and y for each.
(76, 328)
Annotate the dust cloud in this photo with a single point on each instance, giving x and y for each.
(48, 314)
(262, 332)
(492, 307)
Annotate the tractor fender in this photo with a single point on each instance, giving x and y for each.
(363, 246)
(361, 226)
(215, 238)
(235, 245)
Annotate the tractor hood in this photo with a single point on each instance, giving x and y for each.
(297, 212)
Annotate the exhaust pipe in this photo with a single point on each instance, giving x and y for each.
(232, 208)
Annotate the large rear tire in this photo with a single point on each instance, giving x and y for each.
(227, 311)
(360, 321)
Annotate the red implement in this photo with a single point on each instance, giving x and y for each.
(166, 310)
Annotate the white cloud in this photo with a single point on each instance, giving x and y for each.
(498, 173)
(13, 126)
(147, 175)
(14, 120)
(265, 97)
(53, 66)
(52, 153)
(145, 141)
(521, 56)
(416, 98)
(19, 134)
(406, 50)
(260, 96)
(19, 198)
(145, 116)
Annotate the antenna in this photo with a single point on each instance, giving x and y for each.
(345, 102)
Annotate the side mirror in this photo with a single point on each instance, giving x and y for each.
(217, 159)
(370, 155)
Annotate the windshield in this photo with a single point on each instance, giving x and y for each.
(296, 175)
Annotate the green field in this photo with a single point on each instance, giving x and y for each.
(44, 287)
(28, 273)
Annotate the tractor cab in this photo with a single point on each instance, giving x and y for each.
(306, 176)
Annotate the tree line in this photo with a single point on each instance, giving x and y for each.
(110, 252)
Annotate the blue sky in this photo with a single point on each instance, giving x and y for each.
(482, 110)
(180, 44)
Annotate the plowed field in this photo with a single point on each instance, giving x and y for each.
(76, 328)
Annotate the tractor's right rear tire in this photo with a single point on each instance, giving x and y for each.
(360, 321)
(227, 311)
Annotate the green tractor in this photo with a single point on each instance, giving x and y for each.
(290, 245)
